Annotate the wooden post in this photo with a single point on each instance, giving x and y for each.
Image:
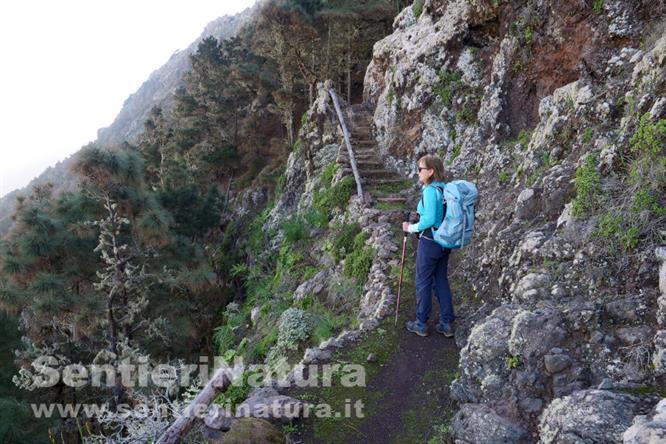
(177, 431)
(352, 159)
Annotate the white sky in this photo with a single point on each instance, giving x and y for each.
(68, 66)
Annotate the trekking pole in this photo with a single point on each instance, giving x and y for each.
(402, 269)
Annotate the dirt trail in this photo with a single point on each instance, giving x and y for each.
(406, 395)
(415, 388)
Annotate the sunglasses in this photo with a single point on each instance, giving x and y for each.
(423, 168)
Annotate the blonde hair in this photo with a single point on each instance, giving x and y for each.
(435, 164)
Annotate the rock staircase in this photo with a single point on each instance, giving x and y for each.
(384, 186)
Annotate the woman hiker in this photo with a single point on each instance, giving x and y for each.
(431, 259)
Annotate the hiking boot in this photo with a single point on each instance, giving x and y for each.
(445, 328)
(417, 327)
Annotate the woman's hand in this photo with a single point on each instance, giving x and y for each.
(405, 226)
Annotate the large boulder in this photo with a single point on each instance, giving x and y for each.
(587, 416)
(252, 431)
(648, 429)
(479, 424)
(483, 359)
(266, 403)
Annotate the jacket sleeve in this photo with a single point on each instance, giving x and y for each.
(429, 215)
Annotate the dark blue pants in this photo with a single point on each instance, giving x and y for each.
(432, 268)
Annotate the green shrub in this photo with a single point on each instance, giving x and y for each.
(328, 174)
(224, 338)
(306, 302)
(504, 177)
(449, 83)
(305, 117)
(528, 34)
(466, 114)
(337, 196)
(261, 349)
(417, 8)
(295, 327)
(609, 225)
(645, 200)
(513, 362)
(524, 137)
(327, 324)
(649, 138)
(343, 294)
(316, 218)
(441, 434)
(622, 233)
(257, 237)
(296, 148)
(236, 393)
(455, 153)
(390, 96)
(598, 6)
(587, 135)
(295, 230)
(588, 187)
(390, 188)
(343, 241)
(309, 272)
(288, 268)
(359, 261)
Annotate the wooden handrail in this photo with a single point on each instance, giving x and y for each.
(345, 133)
(198, 407)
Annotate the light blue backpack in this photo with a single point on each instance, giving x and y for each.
(458, 225)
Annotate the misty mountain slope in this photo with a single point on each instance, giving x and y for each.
(157, 90)
(162, 83)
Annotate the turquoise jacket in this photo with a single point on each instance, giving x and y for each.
(430, 208)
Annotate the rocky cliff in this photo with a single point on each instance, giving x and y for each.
(556, 110)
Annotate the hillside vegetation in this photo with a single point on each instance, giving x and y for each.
(231, 225)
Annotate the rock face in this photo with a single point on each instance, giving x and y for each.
(587, 416)
(659, 356)
(519, 99)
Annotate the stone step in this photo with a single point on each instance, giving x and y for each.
(362, 165)
(359, 149)
(362, 149)
(391, 199)
(367, 173)
(359, 109)
(364, 146)
(358, 116)
(363, 143)
(375, 182)
(371, 162)
(377, 173)
(360, 129)
(360, 152)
